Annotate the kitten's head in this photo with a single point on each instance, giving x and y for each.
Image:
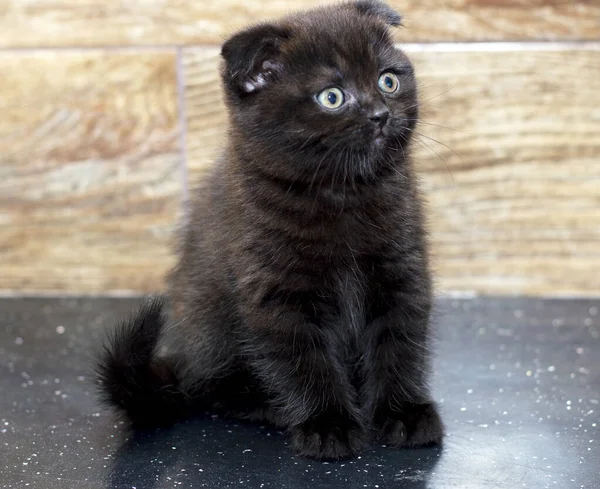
(325, 88)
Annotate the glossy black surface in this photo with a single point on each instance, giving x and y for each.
(518, 381)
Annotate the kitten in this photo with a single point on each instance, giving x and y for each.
(302, 293)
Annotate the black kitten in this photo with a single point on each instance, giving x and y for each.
(302, 294)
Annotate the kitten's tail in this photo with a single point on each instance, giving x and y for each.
(133, 378)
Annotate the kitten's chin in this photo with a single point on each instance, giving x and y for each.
(379, 141)
(381, 138)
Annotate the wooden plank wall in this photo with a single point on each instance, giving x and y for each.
(109, 110)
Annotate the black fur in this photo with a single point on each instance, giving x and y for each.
(302, 291)
(379, 9)
(249, 56)
(133, 377)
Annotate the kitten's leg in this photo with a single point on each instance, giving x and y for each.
(397, 391)
(211, 368)
(297, 361)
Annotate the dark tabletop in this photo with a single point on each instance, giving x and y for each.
(518, 381)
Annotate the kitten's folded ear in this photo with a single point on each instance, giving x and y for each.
(252, 57)
(379, 9)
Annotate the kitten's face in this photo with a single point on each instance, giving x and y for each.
(335, 96)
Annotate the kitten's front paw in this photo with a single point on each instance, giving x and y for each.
(416, 425)
(329, 437)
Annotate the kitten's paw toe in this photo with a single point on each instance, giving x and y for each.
(328, 438)
(393, 432)
(425, 427)
(416, 425)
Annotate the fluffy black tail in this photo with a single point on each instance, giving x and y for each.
(133, 378)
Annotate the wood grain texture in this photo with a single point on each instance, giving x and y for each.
(514, 182)
(89, 170)
(515, 191)
(51, 23)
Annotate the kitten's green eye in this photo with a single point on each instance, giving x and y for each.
(388, 82)
(331, 98)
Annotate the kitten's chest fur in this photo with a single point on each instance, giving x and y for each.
(334, 253)
(352, 292)
(331, 250)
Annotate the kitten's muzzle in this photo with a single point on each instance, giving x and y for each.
(380, 116)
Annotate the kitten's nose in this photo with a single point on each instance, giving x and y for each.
(379, 116)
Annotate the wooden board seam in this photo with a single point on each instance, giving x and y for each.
(466, 46)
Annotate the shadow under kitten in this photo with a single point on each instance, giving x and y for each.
(220, 453)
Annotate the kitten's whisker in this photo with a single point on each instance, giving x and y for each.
(327, 154)
(425, 145)
(307, 141)
(420, 121)
(173, 326)
(441, 144)
(438, 94)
